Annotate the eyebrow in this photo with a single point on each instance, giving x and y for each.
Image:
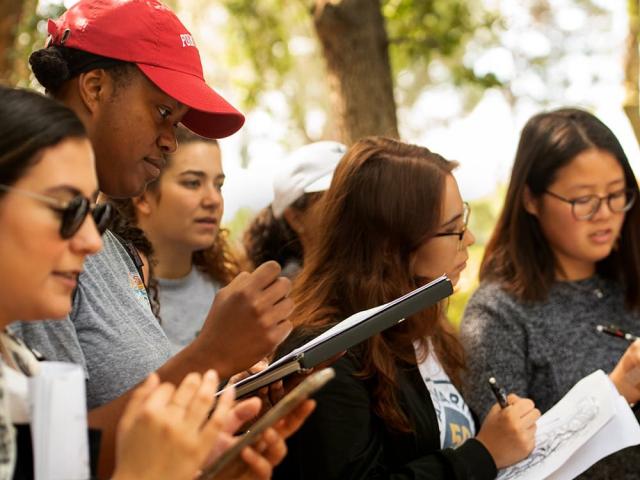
(613, 182)
(454, 219)
(201, 174)
(71, 190)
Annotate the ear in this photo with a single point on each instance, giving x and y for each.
(529, 202)
(143, 203)
(293, 218)
(94, 87)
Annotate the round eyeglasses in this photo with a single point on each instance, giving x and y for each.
(585, 207)
(72, 212)
(466, 212)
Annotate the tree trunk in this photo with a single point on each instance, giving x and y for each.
(10, 11)
(355, 46)
(631, 102)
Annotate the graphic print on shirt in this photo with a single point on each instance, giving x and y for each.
(454, 417)
(137, 285)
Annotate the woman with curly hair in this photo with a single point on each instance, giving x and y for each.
(283, 230)
(176, 225)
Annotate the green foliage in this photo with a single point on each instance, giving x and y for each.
(265, 39)
(31, 35)
(259, 35)
(421, 31)
(238, 224)
(458, 301)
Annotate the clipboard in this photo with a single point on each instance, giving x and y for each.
(348, 333)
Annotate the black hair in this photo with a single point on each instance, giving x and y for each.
(54, 65)
(30, 122)
(270, 238)
(518, 255)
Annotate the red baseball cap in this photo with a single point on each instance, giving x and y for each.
(149, 34)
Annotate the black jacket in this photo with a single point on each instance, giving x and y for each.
(343, 439)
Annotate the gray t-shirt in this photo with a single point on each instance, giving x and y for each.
(111, 330)
(540, 350)
(184, 305)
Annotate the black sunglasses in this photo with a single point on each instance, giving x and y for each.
(73, 212)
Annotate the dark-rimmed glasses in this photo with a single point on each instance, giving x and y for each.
(72, 212)
(585, 207)
(466, 212)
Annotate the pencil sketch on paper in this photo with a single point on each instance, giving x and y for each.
(558, 433)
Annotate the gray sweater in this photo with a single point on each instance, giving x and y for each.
(540, 350)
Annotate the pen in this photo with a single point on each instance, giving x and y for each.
(499, 393)
(616, 332)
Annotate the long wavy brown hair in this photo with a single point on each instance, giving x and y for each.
(385, 200)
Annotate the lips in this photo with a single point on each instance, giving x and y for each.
(602, 236)
(68, 278)
(154, 165)
(207, 221)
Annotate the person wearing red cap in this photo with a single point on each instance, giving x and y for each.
(131, 71)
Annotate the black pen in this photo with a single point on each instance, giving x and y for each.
(616, 332)
(499, 393)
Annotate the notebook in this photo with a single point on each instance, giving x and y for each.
(348, 333)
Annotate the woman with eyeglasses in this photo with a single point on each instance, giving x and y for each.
(394, 219)
(48, 188)
(563, 259)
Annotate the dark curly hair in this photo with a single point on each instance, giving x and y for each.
(123, 224)
(270, 238)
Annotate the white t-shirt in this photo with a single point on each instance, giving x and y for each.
(454, 417)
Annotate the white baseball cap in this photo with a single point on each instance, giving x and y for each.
(308, 169)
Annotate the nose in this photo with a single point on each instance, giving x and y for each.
(167, 139)
(212, 198)
(471, 238)
(603, 212)
(87, 240)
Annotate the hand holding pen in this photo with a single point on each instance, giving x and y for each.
(626, 374)
(499, 393)
(508, 431)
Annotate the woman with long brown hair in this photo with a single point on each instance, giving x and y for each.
(393, 219)
(562, 260)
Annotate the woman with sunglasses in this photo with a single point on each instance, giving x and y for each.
(562, 260)
(393, 219)
(48, 188)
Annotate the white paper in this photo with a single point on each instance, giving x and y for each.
(620, 432)
(59, 422)
(17, 391)
(576, 432)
